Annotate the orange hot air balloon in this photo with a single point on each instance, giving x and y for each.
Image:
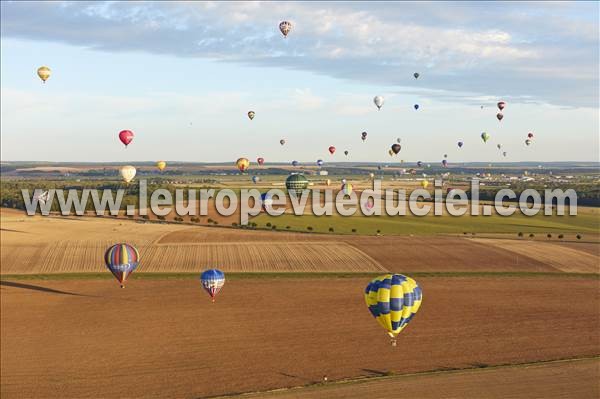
(242, 164)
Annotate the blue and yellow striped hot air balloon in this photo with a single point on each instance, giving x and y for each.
(121, 259)
(393, 299)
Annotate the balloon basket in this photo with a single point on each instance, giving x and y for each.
(393, 342)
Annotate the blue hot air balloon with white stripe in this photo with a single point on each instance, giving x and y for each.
(212, 281)
(121, 259)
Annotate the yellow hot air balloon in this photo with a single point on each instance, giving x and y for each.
(128, 173)
(391, 153)
(347, 189)
(242, 164)
(161, 165)
(44, 73)
(424, 184)
(393, 299)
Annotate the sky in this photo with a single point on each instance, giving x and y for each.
(183, 75)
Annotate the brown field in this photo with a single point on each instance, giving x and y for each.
(76, 244)
(563, 379)
(78, 339)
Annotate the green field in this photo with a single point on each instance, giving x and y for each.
(587, 221)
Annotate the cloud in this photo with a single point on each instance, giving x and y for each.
(542, 51)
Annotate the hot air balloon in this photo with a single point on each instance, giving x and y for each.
(260, 161)
(391, 153)
(344, 181)
(285, 27)
(212, 281)
(363, 136)
(346, 153)
(393, 299)
(501, 105)
(378, 100)
(371, 176)
(161, 165)
(419, 163)
(504, 153)
(347, 188)
(319, 162)
(121, 259)
(378, 167)
(444, 163)
(126, 137)
(529, 135)
(295, 163)
(255, 179)
(331, 150)
(251, 114)
(128, 173)
(44, 73)
(424, 183)
(499, 115)
(398, 140)
(416, 75)
(460, 144)
(485, 137)
(416, 106)
(328, 182)
(296, 183)
(445, 155)
(499, 146)
(242, 164)
(282, 141)
(528, 142)
(266, 200)
(396, 148)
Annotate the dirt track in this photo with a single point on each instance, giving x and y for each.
(165, 338)
(568, 379)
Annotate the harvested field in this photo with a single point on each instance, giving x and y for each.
(76, 244)
(563, 379)
(78, 339)
(561, 257)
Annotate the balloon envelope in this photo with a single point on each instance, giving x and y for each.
(296, 183)
(44, 73)
(282, 141)
(396, 148)
(460, 144)
(126, 136)
(378, 100)
(128, 173)
(260, 161)
(242, 164)
(331, 150)
(499, 115)
(416, 106)
(251, 114)
(161, 165)
(121, 259)
(319, 162)
(501, 105)
(212, 281)
(393, 299)
(485, 137)
(416, 75)
(285, 27)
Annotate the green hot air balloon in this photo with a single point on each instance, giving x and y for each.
(485, 137)
(296, 183)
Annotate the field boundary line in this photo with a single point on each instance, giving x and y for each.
(290, 275)
(365, 379)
